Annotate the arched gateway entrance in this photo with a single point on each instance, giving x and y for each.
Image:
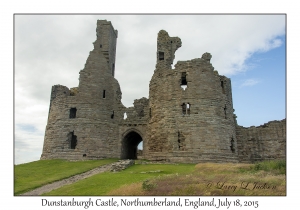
(130, 143)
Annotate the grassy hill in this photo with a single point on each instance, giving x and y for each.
(265, 178)
(32, 175)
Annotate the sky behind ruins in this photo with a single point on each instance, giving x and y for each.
(52, 49)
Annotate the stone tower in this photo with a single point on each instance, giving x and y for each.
(191, 109)
(83, 121)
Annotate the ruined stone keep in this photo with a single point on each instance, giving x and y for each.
(188, 117)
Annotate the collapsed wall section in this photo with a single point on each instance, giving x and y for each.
(265, 142)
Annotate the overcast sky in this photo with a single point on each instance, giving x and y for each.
(52, 49)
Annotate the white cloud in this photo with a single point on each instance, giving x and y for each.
(249, 82)
(52, 49)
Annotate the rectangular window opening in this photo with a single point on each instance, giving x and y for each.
(161, 56)
(183, 79)
(73, 113)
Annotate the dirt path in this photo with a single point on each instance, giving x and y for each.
(70, 180)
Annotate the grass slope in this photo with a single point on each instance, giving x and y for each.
(32, 175)
(102, 184)
(212, 179)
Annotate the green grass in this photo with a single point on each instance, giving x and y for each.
(102, 184)
(212, 179)
(32, 175)
(147, 179)
(272, 165)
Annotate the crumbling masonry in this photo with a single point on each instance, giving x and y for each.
(189, 116)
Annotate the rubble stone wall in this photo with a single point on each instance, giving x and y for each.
(265, 142)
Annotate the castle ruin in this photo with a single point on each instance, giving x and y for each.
(188, 117)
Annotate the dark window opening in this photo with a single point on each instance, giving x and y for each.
(141, 113)
(150, 114)
(186, 108)
(225, 112)
(100, 45)
(73, 140)
(73, 112)
(171, 42)
(161, 56)
(183, 78)
(222, 85)
(103, 93)
(112, 115)
(183, 109)
(232, 148)
(84, 155)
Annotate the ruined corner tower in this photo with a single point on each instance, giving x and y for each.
(83, 121)
(191, 109)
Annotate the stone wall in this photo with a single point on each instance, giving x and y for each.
(265, 142)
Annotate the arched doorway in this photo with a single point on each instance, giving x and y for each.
(130, 144)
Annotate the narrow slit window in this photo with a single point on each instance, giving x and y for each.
(72, 140)
(183, 108)
(73, 113)
(112, 115)
(222, 85)
(150, 114)
(225, 113)
(125, 116)
(104, 93)
(232, 145)
(161, 55)
(100, 45)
